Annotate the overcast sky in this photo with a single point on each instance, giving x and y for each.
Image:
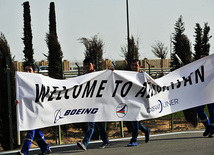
(149, 20)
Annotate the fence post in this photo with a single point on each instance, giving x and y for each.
(105, 126)
(60, 137)
(172, 121)
(196, 120)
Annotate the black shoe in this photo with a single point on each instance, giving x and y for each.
(81, 145)
(206, 132)
(46, 152)
(104, 145)
(210, 135)
(147, 134)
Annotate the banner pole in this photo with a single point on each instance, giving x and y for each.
(18, 138)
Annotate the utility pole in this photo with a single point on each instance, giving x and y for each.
(127, 11)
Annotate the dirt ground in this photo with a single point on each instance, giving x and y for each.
(74, 135)
(114, 130)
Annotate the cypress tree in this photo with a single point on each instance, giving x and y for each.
(202, 38)
(205, 39)
(27, 39)
(55, 53)
(4, 110)
(198, 41)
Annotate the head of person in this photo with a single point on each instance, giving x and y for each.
(135, 65)
(88, 65)
(204, 54)
(29, 67)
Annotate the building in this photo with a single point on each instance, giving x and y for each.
(106, 64)
(73, 69)
(18, 66)
(66, 65)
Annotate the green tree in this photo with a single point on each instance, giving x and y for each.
(27, 40)
(205, 39)
(160, 51)
(55, 53)
(133, 52)
(198, 41)
(181, 46)
(94, 49)
(201, 40)
(4, 110)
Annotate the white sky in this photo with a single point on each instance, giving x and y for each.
(149, 20)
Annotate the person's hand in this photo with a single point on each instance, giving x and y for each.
(111, 68)
(16, 102)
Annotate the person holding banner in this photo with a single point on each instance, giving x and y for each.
(136, 125)
(37, 134)
(208, 123)
(89, 67)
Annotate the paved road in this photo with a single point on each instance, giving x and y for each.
(176, 143)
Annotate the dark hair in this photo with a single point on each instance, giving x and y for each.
(136, 60)
(88, 60)
(204, 53)
(29, 64)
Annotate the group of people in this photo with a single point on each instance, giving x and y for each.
(136, 125)
(89, 67)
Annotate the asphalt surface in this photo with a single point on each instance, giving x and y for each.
(175, 143)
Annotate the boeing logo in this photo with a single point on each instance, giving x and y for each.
(70, 112)
(57, 115)
(162, 105)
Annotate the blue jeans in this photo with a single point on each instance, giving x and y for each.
(38, 137)
(135, 127)
(90, 132)
(208, 122)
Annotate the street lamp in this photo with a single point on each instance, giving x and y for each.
(127, 14)
(149, 66)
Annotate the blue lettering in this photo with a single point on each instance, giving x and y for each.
(73, 111)
(165, 105)
(87, 111)
(67, 112)
(94, 111)
(78, 111)
(81, 111)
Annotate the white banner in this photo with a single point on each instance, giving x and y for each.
(111, 95)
